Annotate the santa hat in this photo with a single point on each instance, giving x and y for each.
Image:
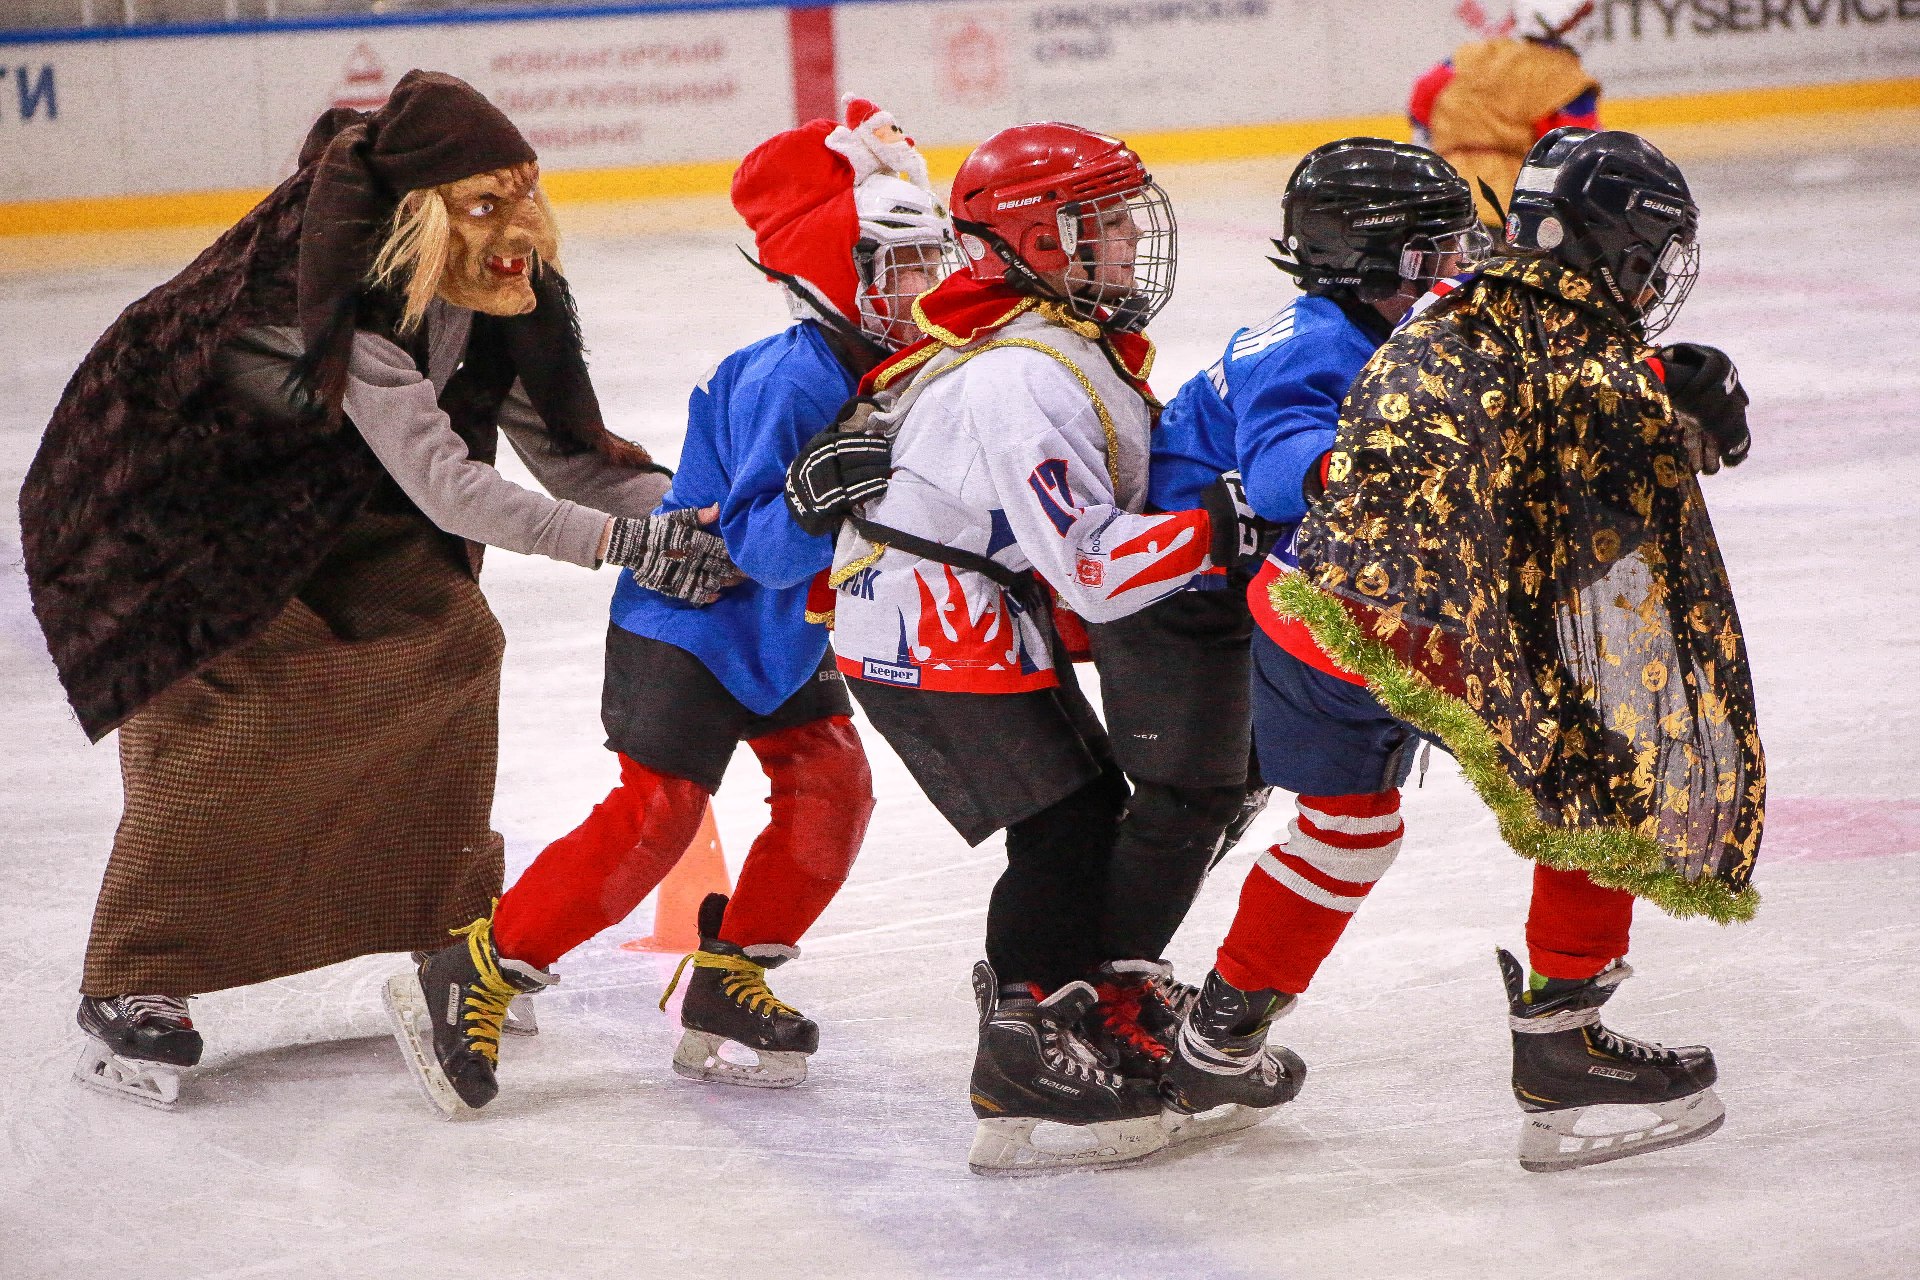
(795, 191)
(872, 141)
(797, 196)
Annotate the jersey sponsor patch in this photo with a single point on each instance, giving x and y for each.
(1089, 571)
(890, 672)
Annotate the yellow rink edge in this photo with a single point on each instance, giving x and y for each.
(1185, 146)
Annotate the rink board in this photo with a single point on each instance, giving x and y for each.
(304, 1152)
(175, 125)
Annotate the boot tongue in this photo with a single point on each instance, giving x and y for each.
(1070, 1003)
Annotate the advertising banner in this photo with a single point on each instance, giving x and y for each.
(224, 110)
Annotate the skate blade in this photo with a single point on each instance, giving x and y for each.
(520, 1020)
(698, 1057)
(413, 1030)
(1005, 1147)
(1228, 1118)
(151, 1084)
(1548, 1143)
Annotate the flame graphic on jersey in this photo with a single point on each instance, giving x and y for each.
(1176, 544)
(954, 640)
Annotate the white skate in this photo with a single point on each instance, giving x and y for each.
(152, 1084)
(1014, 1146)
(1550, 1140)
(699, 1056)
(413, 1031)
(520, 1020)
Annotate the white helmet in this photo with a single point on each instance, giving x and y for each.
(905, 248)
(1549, 19)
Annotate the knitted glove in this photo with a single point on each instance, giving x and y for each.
(1710, 404)
(672, 554)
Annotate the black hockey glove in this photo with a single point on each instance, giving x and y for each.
(1238, 534)
(673, 555)
(834, 471)
(1710, 404)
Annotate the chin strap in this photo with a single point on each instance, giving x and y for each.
(1492, 199)
(828, 314)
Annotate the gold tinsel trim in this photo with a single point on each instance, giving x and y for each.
(839, 577)
(948, 338)
(1614, 856)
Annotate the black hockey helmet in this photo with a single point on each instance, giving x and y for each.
(1365, 215)
(1610, 206)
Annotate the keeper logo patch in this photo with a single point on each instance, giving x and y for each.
(890, 672)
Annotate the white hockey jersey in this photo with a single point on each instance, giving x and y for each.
(1025, 446)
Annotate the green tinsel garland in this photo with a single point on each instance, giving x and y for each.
(1617, 857)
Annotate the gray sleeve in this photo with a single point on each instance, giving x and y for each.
(396, 410)
(585, 478)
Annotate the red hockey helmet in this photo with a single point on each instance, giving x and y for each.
(1066, 213)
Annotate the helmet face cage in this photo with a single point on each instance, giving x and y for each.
(1427, 259)
(1657, 259)
(1671, 280)
(1120, 256)
(892, 275)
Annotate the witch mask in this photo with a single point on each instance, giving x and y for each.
(497, 227)
(474, 242)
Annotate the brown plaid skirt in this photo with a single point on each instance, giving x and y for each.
(321, 793)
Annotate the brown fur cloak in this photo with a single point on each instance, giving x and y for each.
(303, 669)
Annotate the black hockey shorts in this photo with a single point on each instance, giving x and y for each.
(1174, 686)
(662, 708)
(1037, 765)
(1319, 735)
(989, 760)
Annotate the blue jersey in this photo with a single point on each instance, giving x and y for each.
(1269, 406)
(745, 422)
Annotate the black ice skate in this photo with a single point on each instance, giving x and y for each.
(136, 1044)
(1139, 1015)
(520, 1020)
(727, 1002)
(447, 1016)
(1252, 805)
(1222, 1076)
(1033, 1069)
(1565, 1061)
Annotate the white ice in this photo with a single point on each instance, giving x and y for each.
(301, 1149)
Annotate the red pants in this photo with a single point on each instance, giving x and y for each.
(1300, 896)
(591, 878)
(1575, 928)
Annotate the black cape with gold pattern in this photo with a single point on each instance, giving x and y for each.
(1513, 552)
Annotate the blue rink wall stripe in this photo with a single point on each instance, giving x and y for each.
(370, 21)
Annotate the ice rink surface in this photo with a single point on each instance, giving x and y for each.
(301, 1148)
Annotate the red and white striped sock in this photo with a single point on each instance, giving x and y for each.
(1300, 895)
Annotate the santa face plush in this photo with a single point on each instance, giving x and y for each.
(497, 224)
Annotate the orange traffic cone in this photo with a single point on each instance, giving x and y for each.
(676, 904)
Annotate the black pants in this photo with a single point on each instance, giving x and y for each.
(1174, 679)
(1038, 765)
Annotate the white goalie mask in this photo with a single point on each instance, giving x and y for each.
(906, 247)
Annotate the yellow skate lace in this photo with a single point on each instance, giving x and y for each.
(745, 982)
(487, 1000)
